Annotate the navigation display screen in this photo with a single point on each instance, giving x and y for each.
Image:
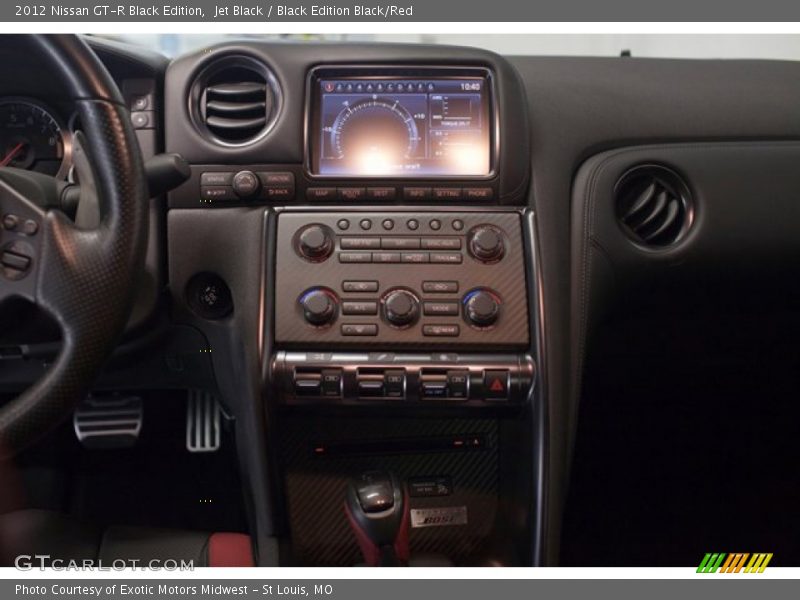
(401, 127)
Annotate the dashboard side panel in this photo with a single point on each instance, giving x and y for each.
(581, 106)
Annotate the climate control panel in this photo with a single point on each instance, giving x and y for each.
(414, 279)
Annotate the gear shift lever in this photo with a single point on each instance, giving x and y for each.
(377, 508)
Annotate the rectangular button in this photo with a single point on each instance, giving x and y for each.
(434, 389)
(400, 243)
(321, 193)
(441, 330)
(360, 243)
(440, 287)
(395, 383)
(217, 193)
(370, 388)
(457, 383)
(359, 286)
(477, 193)
(352, 193)
(331, 382)
(355, 257)
(430, 487)
(417, 193)
(441, 243)
(381, 193)
(446, 193)
(415, 257)
(495, 384)
(277, 179)
(308, 386)
(279, 193)
(359, 308)
(359, 329)
(440, 308)
(452, 258)
(386, 257)
(216, 178)
(16, 261)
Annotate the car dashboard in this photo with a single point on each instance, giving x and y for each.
(394, 257)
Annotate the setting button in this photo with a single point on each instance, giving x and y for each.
(440, 287)
(441, 330)
(360, 286)
(211, 193)
(446, 193)
(359, 308)
(435, 309)
(361, 329)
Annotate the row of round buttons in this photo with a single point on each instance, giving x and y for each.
(316, 243)
(388, 224)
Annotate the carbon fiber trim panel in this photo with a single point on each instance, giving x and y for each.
(315, 486)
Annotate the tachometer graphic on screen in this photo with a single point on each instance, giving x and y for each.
(374, 135)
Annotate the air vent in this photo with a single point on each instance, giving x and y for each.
(235, 100)
(653, 206)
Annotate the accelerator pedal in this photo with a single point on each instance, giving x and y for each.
(203, 418)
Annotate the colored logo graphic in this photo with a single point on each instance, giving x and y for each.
(734, 563)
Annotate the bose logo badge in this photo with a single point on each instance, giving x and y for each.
(438, 517)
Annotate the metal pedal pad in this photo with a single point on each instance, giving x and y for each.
(203, 418)
(108, 421)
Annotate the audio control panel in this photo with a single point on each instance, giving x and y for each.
(424, 279)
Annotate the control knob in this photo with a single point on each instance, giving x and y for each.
(481, 307)
(319, 306)
(315, 242)
(486, 243)
(246, 184)
(400, 307)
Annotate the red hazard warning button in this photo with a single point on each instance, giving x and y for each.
(495, 384)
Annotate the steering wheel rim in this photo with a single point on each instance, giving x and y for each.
(83, 278)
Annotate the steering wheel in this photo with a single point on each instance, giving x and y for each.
(84, 278)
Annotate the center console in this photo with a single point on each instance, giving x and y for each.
(399, 300)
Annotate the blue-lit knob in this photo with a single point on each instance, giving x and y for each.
(319, 306)
(481, 307)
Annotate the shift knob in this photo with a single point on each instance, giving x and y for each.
(377, 508)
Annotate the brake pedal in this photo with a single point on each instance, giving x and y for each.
(203, 418)
(108, 421)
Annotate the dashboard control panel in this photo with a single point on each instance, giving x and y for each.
(397, 378)
(411, 278)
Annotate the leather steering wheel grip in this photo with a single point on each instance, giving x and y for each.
(86, 279)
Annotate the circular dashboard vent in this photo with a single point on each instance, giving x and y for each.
(653, 206)
(235, 100)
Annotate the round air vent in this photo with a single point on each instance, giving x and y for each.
(235, 100)
(653, 206)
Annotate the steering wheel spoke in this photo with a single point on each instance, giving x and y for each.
(21, 237)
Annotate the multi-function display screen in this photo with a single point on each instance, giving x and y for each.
(401, 127)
